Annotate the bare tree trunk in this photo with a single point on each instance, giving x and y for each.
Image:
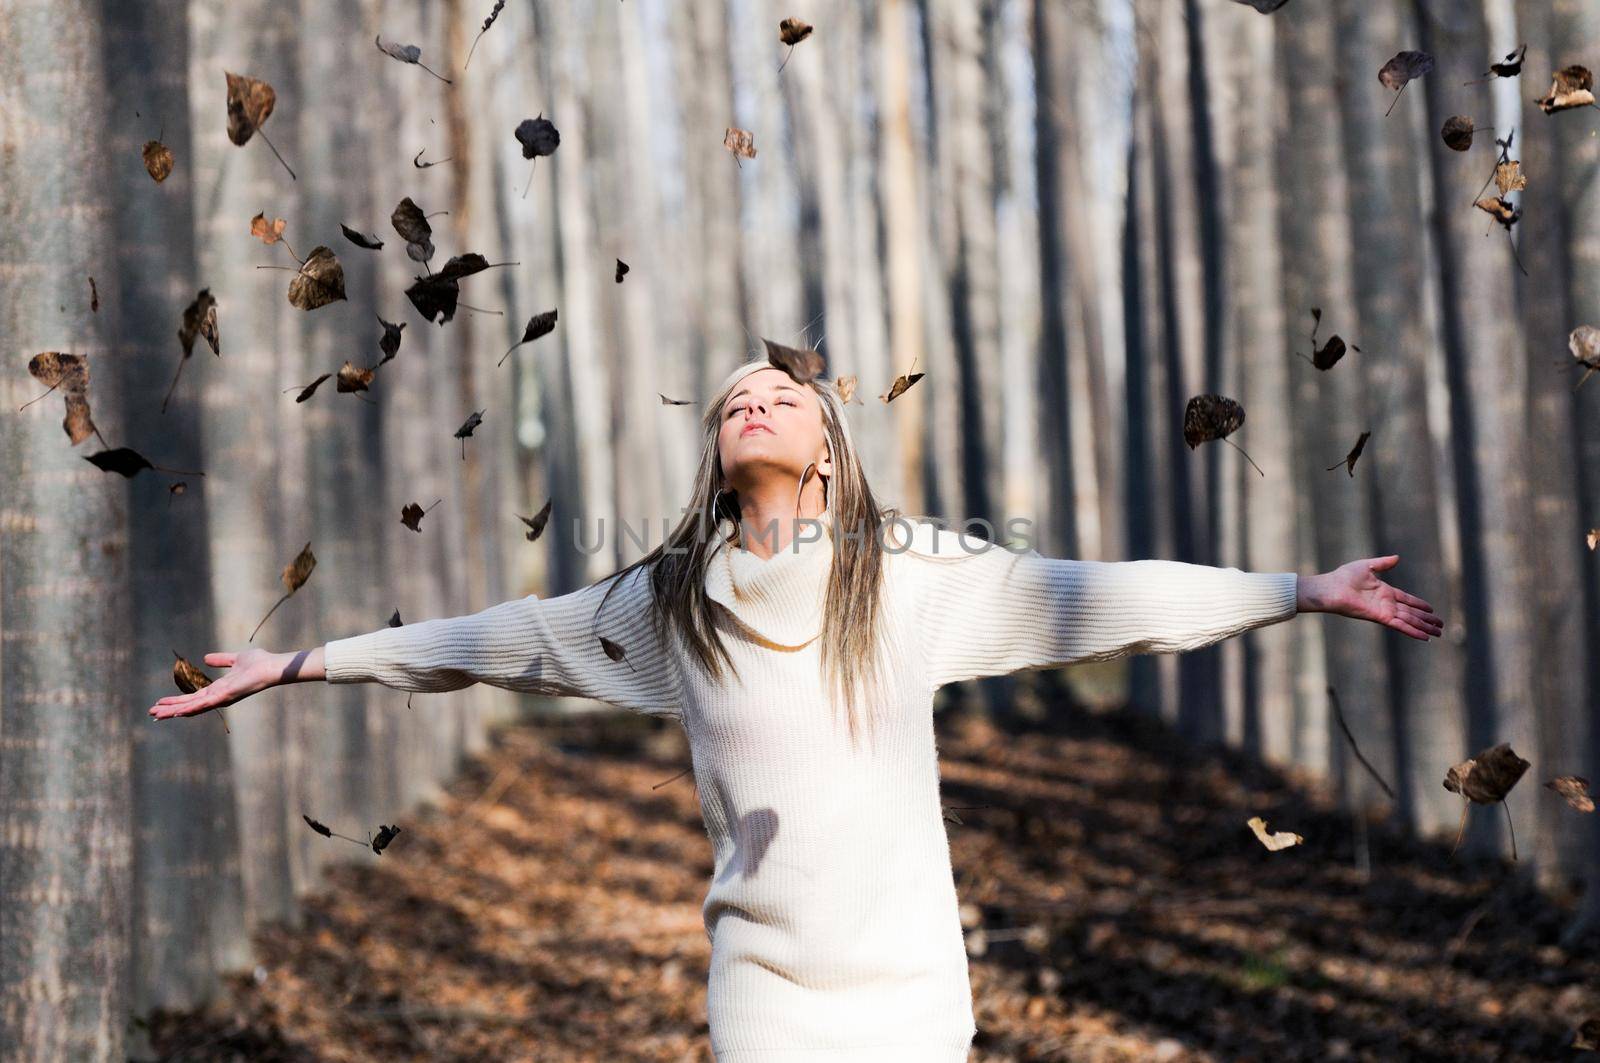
(188, 900)
(66, 852)
(1488, 406)
(1390, 261)
(251, 441)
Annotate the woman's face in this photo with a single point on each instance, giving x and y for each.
(771, 427)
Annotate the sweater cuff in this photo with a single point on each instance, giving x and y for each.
(1275, 594)
(350, 660)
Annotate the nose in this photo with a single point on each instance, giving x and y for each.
(755, 404)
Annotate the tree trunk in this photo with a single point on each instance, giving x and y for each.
(66, 852)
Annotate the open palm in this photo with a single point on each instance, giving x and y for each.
(250, 671)
(1354, 589)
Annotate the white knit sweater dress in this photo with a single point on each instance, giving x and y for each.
(832, 912)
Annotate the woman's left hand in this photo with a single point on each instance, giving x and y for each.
(1355, 590)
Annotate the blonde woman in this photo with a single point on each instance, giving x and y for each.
(798, 632)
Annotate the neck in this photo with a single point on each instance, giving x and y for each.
(769, 515)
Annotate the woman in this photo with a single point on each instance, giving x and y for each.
(832, 912)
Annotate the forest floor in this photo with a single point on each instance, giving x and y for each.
(548, 908)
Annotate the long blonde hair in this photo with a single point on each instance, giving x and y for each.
(851, 654)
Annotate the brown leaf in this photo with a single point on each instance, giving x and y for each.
(537, 522)
(320, 280)
(1349, 461)
(1500, 210)
(1575, 788)
(1571, 86)
(739, 141)
(412, 225)
(899, 386)
(411, 515)
(1457, 132)
(613, 650)
(407, 53)
(70, 373)
(435, 295)
(187, 676)
(200, 319)
(801, 363)
(622, 269)
(268, 232)
(675, 402)
(353, 377)
(360, 239)
(1487, 776)
(311, 388)
(538, 325)
(250, 103)
(1208, 417)
(157, 160)
(94, 296)
(792, 31)
(846, 386)
(1404, 67)
(296, 572)
(1509, 177)
(124, 461)
(1509, 67)
(1277, 840)
(1329, 354)
(1594, 537)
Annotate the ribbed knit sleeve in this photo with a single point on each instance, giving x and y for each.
(548, 646)
(1002, 610)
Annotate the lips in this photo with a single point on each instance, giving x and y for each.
(754, 426)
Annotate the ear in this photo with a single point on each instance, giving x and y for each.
(825, 466)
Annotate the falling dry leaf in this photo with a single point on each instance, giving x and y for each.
(250, 103)
(1501, 210)
(189, 679)
(268, 232)
(321, 829)
(435, 295)
(94, 297)
(622, 269)
(613, 650)
(1509, 67)
(295, 574)
(411, 515)
(740, 142)
(1278, 840)
(70, 373)
(792, 31)
(407, 53)
(494, 14)
(1457, 132)
(1575, 788)
(1584, 343)
(1208, 417)
(319, 281)
(900, 384)
(538, 325)
(675, 402)
(371, 243)
(1571, 86)
(157, 160)
(412, 225)
(1349, 461)
(129, 462)
(200, 319)
(311, 388)
(353, 377)
(1587, 1036)
(416, 160)
(846, 386)
(473, 421)
(1486, 777)
(1509, 177)
(389, 342)
(537, 522)
(538, 136)
(394, 621)
(1594, 537)
(1404, 68)
(384, 837)
(801, 363)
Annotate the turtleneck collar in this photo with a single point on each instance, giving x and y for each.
(778, 598)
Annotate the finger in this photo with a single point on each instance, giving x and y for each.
(1406, 628)
(1424, 621)
(1412, 599)
(223, 660)
(1379, 564)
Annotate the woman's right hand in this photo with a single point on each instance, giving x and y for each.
(250, 670)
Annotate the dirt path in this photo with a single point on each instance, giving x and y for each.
(548, 909)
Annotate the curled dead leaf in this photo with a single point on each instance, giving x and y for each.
(319, 281)
(1575, 789)
(1277, 840)
(1571, 86)
(537, 522)
(801, 363)
(157, 160)
(739, 141)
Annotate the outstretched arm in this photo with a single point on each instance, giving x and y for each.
(999, 610)
(549, 646)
